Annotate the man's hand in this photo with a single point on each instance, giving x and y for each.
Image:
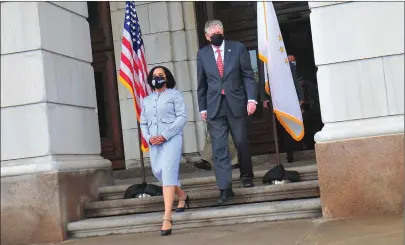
(251, 108)
(204, 116)
(266, 104)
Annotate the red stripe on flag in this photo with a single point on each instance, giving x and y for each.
(136, 68)
(126, 61)
(144, 63)
(127, 80)
(128, 45)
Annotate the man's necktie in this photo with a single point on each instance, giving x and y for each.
(220, 66)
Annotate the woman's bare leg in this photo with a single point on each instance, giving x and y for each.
(182, 196)
(168, 196)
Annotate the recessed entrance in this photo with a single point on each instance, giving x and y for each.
(240, 23)
(109, 118)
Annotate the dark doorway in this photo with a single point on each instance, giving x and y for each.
(240, 24)
(105, 77)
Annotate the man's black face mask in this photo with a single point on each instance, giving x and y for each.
(217, 39)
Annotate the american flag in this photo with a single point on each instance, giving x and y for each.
(133, 69)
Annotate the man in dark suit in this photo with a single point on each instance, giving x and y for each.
(289, 143)
(226, 96)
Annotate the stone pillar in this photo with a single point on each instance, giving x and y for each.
(169, 34)
(50, 143)
(359, 51)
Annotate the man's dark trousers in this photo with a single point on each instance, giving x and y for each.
(223, 123)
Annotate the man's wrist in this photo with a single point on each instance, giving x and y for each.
(204, 111)
(252, 101)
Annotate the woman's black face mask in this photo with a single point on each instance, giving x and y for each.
(158, 82)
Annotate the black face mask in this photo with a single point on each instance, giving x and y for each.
(158, 82)
(217, 39)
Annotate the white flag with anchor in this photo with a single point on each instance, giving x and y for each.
(277, 69)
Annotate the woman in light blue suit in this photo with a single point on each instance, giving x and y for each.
(162, 121)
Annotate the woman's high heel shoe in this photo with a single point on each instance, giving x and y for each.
(166, 232)
(186, 203)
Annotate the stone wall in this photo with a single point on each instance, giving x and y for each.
(170, 37)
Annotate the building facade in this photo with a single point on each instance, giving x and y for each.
(62, 105)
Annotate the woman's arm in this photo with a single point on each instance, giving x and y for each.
(181, 117)
(144, 124)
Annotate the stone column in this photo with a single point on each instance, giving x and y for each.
(50, 142)
(169, 34)
(359, 51)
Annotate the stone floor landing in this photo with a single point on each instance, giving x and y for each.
(381, 230)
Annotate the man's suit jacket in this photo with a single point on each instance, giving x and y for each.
(298, 87)
(238, 81)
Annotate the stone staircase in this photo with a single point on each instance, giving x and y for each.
(112, 214)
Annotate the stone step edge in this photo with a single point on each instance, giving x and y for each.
(187, 167)
(304, 189)
(198, 195)
(204, 173)
(105, 190)
(198, 204)
(228, 215)
(206, 187)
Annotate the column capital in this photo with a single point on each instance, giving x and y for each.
(52, 163)
(361, 128)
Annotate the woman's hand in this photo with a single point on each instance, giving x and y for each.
(152, 140)
(157, 140)
(160, 140)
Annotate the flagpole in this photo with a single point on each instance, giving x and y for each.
(273, 117)
(141, 153)
(275, 135)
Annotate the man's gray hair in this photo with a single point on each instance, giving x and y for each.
(212, 23)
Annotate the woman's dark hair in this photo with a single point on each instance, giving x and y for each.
(169, 77)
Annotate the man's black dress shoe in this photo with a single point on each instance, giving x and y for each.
(224, 197)
(203, 165)
(247, 184)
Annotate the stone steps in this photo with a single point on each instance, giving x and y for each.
(205, 198)
(187, 168)
(203, 217)
(207, 181)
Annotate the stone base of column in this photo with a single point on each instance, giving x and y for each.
(35, 207)
(361, 176)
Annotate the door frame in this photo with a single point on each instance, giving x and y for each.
(112, 146)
